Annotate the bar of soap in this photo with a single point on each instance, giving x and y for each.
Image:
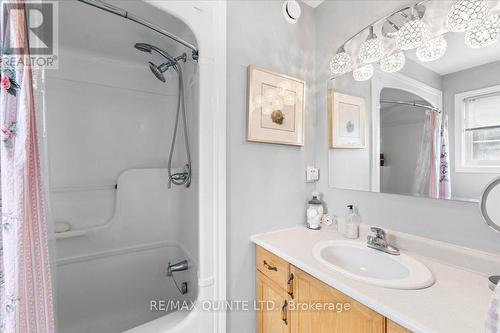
(62, 227)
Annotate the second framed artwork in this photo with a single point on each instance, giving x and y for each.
(347, 120)
(275, 107)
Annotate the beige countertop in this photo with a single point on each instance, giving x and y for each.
(455, 303)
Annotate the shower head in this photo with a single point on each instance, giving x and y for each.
(159, 70)
(143, 47)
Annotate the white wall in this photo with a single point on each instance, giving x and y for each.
(266, 187)
(455, 222)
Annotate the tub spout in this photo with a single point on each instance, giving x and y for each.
(180, 266)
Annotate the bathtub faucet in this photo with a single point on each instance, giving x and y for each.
(180, 266)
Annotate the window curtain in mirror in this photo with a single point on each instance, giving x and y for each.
(432, 174)
(26, 304)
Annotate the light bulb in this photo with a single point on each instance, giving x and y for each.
(485, 34)
(412, 34)
(433, 49)
(393, 63)
(466, 14)
(341, 62)
(372, 49)
(363, 72)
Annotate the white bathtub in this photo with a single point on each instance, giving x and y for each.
(112, 291)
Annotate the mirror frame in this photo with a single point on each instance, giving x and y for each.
(482, 204)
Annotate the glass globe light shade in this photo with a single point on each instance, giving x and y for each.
(372, 49)
(393, 63)
(341, 63)
(466, 14)
(363, 72)
(412, 35)
(433, 49)
(485, 34)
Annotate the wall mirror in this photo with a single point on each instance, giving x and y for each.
(432, 103)
(489, 204)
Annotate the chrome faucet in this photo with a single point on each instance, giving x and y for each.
(378, 242)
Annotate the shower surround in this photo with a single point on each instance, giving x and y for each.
(108, 127)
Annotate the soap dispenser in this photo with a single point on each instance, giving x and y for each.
(352, 221)
(314, 212)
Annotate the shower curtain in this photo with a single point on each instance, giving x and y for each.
(25, 282)
(432, 173)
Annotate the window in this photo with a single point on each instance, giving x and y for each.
(477, 131)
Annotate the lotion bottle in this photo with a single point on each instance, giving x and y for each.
(353, 221)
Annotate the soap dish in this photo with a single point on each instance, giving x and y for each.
(493, 281)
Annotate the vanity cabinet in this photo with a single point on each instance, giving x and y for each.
(292, 291)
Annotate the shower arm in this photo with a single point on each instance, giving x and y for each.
(125, 14)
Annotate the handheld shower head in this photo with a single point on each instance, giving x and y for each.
(143, 47)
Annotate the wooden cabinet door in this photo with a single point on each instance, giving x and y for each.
(392, 327)
(273, 314)
(307, 289)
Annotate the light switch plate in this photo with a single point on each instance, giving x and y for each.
(312, 174)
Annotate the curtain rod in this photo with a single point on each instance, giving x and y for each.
(415, 104)
(125, 14)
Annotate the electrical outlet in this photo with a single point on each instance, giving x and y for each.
(312, 174)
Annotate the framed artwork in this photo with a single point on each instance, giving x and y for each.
(275, 107)
(347, 120)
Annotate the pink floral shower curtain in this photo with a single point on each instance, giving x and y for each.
(25, 282)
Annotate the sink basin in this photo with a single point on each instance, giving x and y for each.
(359, 262)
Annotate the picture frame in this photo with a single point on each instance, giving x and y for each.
(276, 105)
(347, 121)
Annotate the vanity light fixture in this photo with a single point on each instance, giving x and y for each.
(363, 72)
(485, 34)
(432, 49)
(412, 34)
(408, 30)
(393, 63)
(372, 49)
(341, 62)
(466, 14)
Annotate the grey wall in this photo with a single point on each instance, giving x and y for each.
(467, 185)
(266, 187)
(455, 222)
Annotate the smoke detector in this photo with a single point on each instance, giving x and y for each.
(291, 11)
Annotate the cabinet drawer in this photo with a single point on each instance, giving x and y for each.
(273, 267)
